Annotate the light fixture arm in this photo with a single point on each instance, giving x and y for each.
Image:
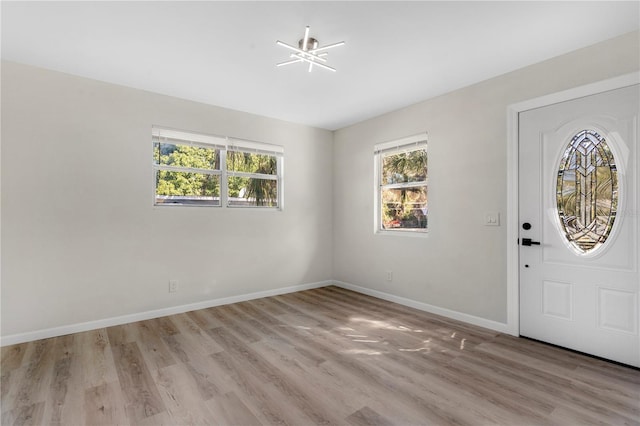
(307, 52)
(329, 46)
(301, 52)
(311, 63)
(293, 61)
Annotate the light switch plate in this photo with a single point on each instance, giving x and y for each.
(492, 219)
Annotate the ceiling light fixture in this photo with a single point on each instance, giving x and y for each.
(308, 52)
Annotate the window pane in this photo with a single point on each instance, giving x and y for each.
(251, 163)
(404, 167)
(187, 188)
(404, 208)
(186, 156)
(587, 191)
(253, 192)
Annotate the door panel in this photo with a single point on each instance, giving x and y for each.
(578, 164)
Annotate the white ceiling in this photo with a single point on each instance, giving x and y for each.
(224, 53)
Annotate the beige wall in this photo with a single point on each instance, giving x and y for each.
(81, 239)
(461, 264)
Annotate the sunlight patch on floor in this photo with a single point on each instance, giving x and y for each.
(416, 350)
(362, 352)
(383, 324)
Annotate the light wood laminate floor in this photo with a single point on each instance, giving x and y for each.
(323, 356)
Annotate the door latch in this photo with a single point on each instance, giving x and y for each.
(529, 242)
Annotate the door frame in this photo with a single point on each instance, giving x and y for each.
(512, 222)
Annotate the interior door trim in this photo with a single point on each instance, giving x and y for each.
(513, 111)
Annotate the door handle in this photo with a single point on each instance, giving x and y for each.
(529, 242)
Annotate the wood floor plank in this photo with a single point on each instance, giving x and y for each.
(58, 392)
(259, 323)
(208, 383)
(123, 334)
(33, 377)
(139, 390)
(266, 372)
(11, 356)
(96, 358)
(415, 318)
(195, 336)
(163, 418)
(186, 347)
(5, 385)
(333, 347)
(204, 319)
(31, 414)
(104, 405)
(321, 356)
(267, 307)
(412, 323)
(228, 317)
(509, 399)
(318, 381)
(370, 322)
(564, 415)
(352, 391)
(367, 417)
(181, 395)
(556, 389)
(64, 400)
(394, 406)
(624, 400)
(253, 393)
(152, 346)
(163, 326)
(228, 409)
(478, 407)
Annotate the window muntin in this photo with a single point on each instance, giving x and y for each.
(193, 169)
(587, 192)
(401, 185)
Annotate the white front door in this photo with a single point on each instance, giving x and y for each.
(578, 198)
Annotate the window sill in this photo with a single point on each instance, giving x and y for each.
(412, 234)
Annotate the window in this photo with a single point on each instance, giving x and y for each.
(401, 185)
(201, 170)
(587, 191)
(252, 176)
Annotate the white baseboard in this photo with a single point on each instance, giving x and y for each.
(470, 319)
(13, 339)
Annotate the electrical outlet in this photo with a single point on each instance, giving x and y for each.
(389, 276)
(173, 286)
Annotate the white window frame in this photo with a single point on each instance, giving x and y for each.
(252, 147)
(223, 144)
(406, 144)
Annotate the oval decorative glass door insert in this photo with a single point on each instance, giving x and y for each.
(587, 191)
